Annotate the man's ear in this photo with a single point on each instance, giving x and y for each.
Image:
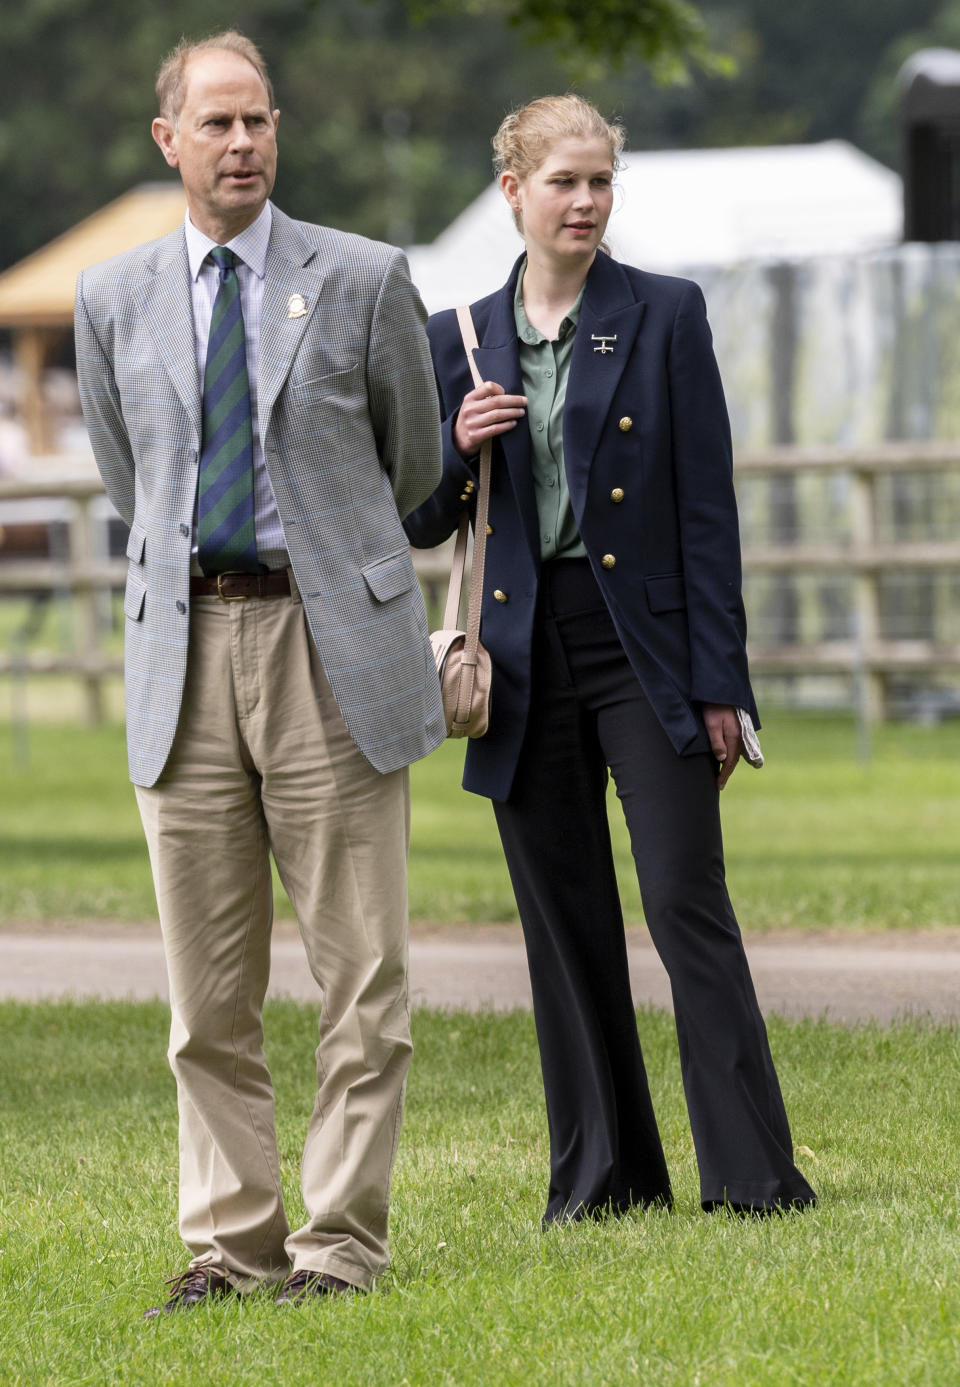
(166, 137)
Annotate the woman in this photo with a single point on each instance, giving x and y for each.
(613, 616)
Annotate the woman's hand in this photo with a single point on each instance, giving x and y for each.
(485, 412)
(726, 741)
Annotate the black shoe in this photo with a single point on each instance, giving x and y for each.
(192, 1286)
(718, 1206)
(301, 1286)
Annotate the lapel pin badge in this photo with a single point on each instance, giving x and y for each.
(296, 306)
(605, 343)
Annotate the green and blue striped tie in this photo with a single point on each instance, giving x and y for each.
(226, 541)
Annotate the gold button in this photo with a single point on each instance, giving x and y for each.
(489, 529)
(609, 560)
(499, 595)
(470, 484)
(626, 424)
(464, 496)
(617, 494)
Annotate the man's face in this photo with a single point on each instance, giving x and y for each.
(225, 143)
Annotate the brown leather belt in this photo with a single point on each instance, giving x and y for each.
(237, 587)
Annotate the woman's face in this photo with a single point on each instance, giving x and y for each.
(565, 204)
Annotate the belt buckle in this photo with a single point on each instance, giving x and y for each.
(230, 573)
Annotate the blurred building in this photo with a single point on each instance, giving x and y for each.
(678, 210)
(36, 307)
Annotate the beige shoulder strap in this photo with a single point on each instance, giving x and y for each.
(452, 609)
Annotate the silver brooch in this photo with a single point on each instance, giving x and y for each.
(605, 342)
(296, 306)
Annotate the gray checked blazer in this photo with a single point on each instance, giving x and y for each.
(349, 422)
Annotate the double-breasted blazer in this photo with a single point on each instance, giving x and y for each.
(648, 461)
(348, 421)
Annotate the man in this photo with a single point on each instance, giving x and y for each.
(259, 397)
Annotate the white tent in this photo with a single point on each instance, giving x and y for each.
(677, 210)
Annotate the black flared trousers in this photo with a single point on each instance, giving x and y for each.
(589, 713)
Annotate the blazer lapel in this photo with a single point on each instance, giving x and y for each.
(164, 299)
(498, 358)
(607, 328)
(292, 288)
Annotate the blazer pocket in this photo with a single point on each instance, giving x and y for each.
(329, 384)
(134, 597)
(666, 592)
(391, 576)
(136, 543)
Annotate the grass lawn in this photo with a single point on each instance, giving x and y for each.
(814, 840)
(864, 1290)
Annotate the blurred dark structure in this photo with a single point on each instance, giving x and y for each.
(930, 145)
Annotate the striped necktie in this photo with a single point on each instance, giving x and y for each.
(226, 541)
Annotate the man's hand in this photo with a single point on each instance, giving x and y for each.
(485, 412)
(726, 742)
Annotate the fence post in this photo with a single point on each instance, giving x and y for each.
(87, 634)
(870, 683)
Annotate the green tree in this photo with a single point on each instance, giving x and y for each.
(388, 106)
(804, 73)
(667, 36)
(879, 112)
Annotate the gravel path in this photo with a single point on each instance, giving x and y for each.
(844, 977)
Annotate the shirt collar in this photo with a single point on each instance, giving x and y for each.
(525, 329)
(250, 245)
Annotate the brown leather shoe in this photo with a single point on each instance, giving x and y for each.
(189, 1288)
(301, 1286)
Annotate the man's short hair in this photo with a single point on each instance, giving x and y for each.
(172, 77)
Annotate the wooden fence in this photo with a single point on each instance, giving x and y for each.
(863, 555)
(86, 573)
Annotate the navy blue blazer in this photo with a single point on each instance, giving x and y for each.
(649, 465)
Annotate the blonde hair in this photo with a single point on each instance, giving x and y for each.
(526, 135)
(172, 77)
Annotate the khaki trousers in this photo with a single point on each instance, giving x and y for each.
(262, 762)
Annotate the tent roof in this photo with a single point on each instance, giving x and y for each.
(39, 291)
(683, 210)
